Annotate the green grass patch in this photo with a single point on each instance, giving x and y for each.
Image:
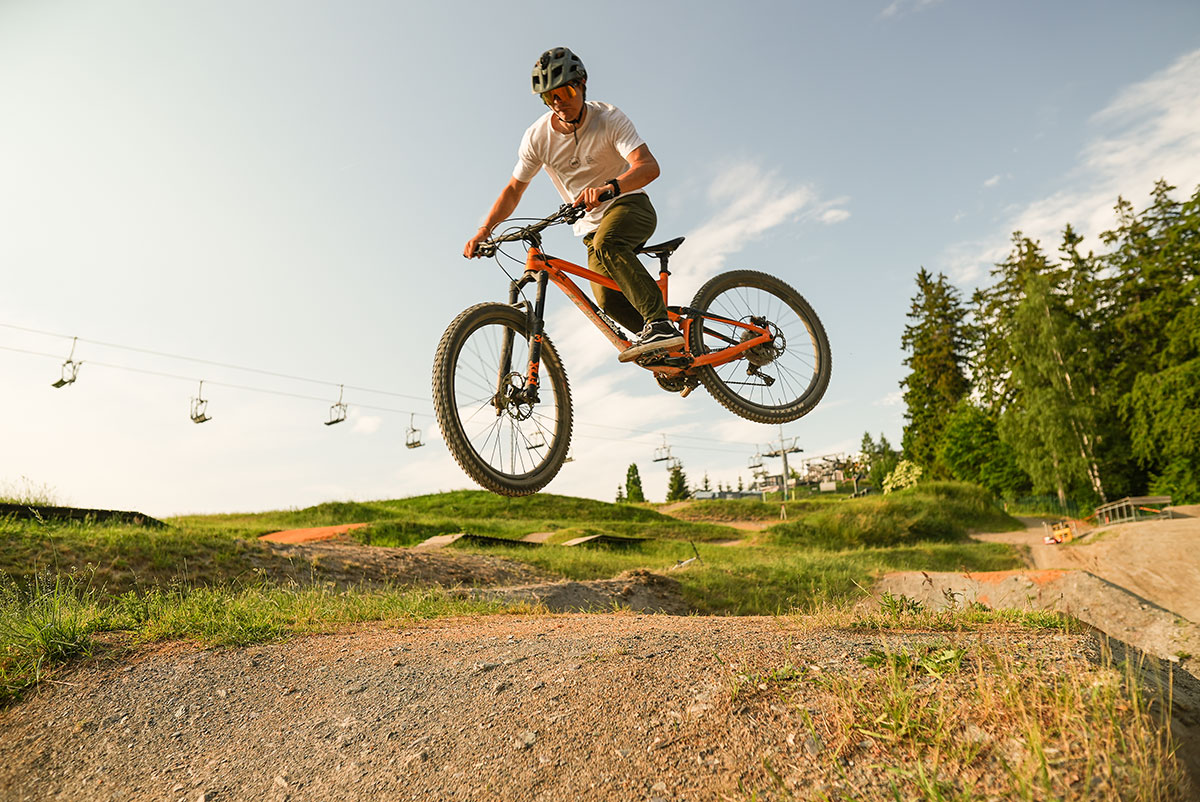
(52, 620)
(932, 511)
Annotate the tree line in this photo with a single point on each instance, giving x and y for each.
(1075, 374)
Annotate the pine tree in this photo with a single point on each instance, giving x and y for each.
(633, 485)
(677, 487)
(705, 484)
(1051, 421)
(1158, 303)
(620, 495)
(937, 341)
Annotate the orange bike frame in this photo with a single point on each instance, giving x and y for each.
(557, 271)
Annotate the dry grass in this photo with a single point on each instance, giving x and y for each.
(986, 706)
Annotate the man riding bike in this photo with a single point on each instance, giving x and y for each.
(589, 149)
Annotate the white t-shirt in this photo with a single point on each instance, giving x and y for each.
(605, 139)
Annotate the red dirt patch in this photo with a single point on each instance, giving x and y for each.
(1036, 577)
(310, 535)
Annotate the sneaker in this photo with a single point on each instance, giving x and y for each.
(658, 335)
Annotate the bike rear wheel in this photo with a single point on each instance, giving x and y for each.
(773, 383)
(507, 444)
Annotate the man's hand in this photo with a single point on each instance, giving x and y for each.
(470, 251)
(590, 197)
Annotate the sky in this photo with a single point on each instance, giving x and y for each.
(273, 197)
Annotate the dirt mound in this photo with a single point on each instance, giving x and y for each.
(612, 707)
(1157, 560)
(639, 590)
(346, 563)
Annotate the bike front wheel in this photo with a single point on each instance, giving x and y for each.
(776, 382)
(507, 442)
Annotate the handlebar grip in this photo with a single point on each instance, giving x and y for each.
(606, 195)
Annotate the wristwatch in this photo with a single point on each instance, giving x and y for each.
(616, 187)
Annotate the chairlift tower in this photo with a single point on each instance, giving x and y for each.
(786, 446)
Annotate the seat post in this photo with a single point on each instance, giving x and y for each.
(663, 275)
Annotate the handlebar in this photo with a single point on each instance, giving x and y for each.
(567, 213)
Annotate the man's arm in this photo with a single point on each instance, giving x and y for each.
(643, 168)
(502, 209)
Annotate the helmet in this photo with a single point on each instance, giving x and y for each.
(556, 67)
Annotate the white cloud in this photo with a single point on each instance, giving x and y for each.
(993, 181)
(900, 8)
(890, 400)
(1151, 130)
(834, 216)
(750, 202)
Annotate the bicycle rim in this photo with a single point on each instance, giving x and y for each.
(508, 447)
(792, 373)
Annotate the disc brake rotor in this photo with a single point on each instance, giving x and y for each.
(513, 400)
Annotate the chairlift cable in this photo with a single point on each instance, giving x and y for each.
(211, 362)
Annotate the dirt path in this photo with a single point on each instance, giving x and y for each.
(608, 707)
(1157, 560)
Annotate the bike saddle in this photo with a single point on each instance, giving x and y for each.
(661, 249)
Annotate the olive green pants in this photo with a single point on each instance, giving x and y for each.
(625, 227)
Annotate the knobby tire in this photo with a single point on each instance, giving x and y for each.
(801, 372)
(499, 452)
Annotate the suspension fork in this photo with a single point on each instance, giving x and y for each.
(536, 327)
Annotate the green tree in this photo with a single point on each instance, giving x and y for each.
(677, 486)
(973, 452)
(1051, 422)
(880, 457)
(704, 483)
(620, 495)
(1157, 262)
(633, 484)
(937, 341)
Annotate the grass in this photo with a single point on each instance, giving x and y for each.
(932, 511)
(968, 718)
(52, 620)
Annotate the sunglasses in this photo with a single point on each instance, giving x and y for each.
(562, 93)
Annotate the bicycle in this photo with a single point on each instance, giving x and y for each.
(510, 429)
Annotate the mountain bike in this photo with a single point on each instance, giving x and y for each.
(501, 394)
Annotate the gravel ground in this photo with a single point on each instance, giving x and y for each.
(549, 707)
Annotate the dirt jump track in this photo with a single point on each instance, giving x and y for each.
(613, 706)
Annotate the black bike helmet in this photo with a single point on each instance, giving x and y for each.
(556, 67)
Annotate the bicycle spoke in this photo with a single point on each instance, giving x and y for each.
(517, 441)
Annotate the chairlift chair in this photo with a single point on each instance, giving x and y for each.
(200, 406)
(537, 441)
(756, 461)
(663, 453)
(70, 368)
(337, 412)
(413, 438)
(673, 463)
